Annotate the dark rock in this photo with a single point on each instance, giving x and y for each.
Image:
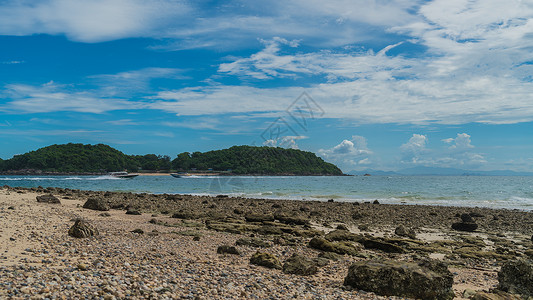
(382, 245)
(464, 226)
(259, 218)
(404, 231)
(343, 235)
(133, 212)
(82, 229)
(330, 256)
(48, 199)
(342, 227)
(331, 200)
(96, 204)
(227, 249)
(184, 215)
(337, 247)
(467, 218)
(423, 280)
(292, 220)
(375, 202)
(238, 211)
(106, 214)
(196, 238)
(138, 230)
(516, 277)
(11, 207)
(222, 196)
(265, 260)
(252, 242)
(300, 265)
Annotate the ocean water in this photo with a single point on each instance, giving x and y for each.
(512, 192)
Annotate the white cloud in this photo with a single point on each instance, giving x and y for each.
(285, 142)
(349, 153)
(461, 142)
(414, 149)
(51, 97)
(89, 21)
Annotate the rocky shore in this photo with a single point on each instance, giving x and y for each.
(199, 247)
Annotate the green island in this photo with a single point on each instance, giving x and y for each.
(100, 158)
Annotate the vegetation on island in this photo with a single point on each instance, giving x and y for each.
(80, 158)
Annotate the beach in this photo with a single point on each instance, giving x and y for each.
(164, 246)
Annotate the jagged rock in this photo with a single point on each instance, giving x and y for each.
(404, 231)
(96, 204)
(336, 247)
(82, 229)
(516, 277)
(423, 280)
(300, 265)
(467, 218)
(227, 249)
(342, 227)
(48, 199)
(252, 242)
(138, 231)
(265, 260)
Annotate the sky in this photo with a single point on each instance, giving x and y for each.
(364, 84)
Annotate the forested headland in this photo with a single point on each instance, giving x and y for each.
(100, 158)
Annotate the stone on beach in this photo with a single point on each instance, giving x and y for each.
(467, 224)
(48, 199)
(225, 249)
(300, 265)
(82, 229)
(96, 204)
(404, 231)
(423, 280)
(336, 247)
(517, 277)
(265, 260)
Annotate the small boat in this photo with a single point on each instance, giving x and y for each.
(180, 175)
(122, 175)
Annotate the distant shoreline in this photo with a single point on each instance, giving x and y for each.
(36, 173)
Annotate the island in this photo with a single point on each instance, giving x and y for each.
(99, 159)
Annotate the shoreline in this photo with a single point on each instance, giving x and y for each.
(176, 256)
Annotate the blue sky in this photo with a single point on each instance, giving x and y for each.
(364, 84)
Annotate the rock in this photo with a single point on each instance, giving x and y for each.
(423, 280)
(265, 260)
(467, 218)
(133, 212)
(468, 293)
(375, 202)
(497, 295)
(300, 265)
(96, 204)
(516, 277)
(404, 231)
(227, 249)
(82, 267)
(329, 256)
(464, 226)
(336, 247)
(106, 214)
(382, 245)
(82, 229)
(292, 220)
(48, 199)
(342, 227)
(252, 242)
(343, 235)
(259, 217)
(138, 231)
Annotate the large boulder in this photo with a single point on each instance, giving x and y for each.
(82, 229)
(48, 199)
(300, 265)
(265, 260)
(517, 277)
(424, 280)
(96, 204)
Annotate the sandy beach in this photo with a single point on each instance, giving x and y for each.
(165, 246)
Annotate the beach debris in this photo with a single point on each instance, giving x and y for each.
(225, 249)
(404, 231)
(265, 260)
(49, 198)
(96, 204)
(426, 279)
(336, 247)
(516, 277)
(300, 265)
(467, 224)
(82, 229)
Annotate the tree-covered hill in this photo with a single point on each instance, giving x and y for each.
(80, 158)
(256, 160)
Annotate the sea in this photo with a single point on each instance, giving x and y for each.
(510, 192)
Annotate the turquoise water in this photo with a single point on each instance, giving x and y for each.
(513, 192)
